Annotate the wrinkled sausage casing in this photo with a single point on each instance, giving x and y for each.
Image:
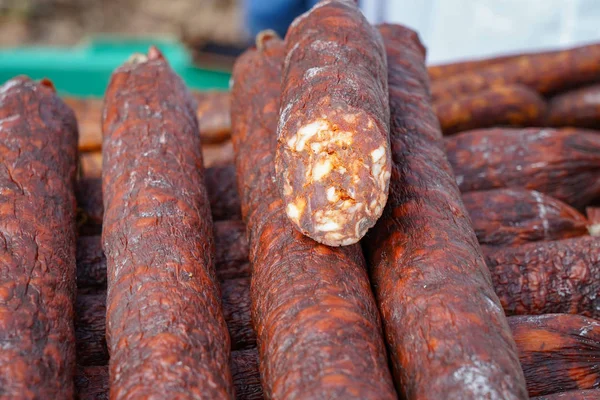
(562, 163)
(558, 352)
(443, 322)
(514, 105)
(316, 321)
(514, 216)
(548, 277)
(38, 163)
(545, 73)
(333, 156)
(580, 108)
(165, 328)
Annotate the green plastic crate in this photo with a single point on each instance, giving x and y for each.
(85, 70)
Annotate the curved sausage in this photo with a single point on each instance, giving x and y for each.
(333, 154)
(424, 257)
(38, 164)
(165, 328)
(317, 325)
(513, 105)
(544, 73)
(562, 163)
(443, 71)
(513, 216)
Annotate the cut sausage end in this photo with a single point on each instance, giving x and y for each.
(343, 188)
(594, 229)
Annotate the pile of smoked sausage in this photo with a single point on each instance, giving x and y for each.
(343, 223)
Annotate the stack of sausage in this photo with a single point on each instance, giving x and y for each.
(256, 276)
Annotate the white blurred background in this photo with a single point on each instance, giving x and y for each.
(460, 29)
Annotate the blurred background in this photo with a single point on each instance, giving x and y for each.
(213, 32)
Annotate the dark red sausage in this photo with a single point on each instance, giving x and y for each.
(562, 163)
(580, 107)
(38, 163)
(333, 156)
(592, 394)
(443, 71)
(90, 323)
(558, 352)
(508, 217)
(513, 105)
(231, 258)
(545, 73)
(424, 258)
(92, 382)
(165, 328)
(548, 277)
(317, 325)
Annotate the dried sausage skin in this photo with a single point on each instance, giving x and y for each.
(317, 325)
(333, 156)
(513, 105)
(558, 352)
(562, 163)
(548, 277)
(545, 73)
(38, 164)
(158, 240)
(424, 257)
(578, 108)
(514, 216)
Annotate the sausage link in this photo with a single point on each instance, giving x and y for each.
(92, 382)
(591, 394)
(317, 325)
(38, 164)
(424, 257)
(562, 163)
(548, 277)
(333, 154)
(220, 183)
(544, 73)
(513, 105)
(163, 295)
(443, 71)
(90, 322)
(231, 258)
(580, 108)
(538, 278)
(508, 217)
(214, 116)
(558, 352)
